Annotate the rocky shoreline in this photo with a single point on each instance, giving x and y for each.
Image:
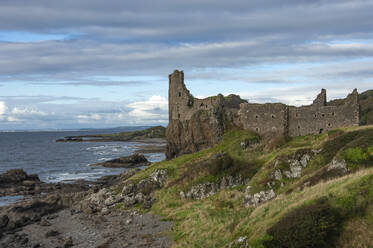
(82, 214)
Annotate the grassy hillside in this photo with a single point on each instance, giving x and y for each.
(318, 208)
(149, 133)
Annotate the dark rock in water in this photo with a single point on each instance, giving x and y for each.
(135, 160)
(17, 176)
(70, 139)
(18, 182)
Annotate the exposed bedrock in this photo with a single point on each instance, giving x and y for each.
(203, 130)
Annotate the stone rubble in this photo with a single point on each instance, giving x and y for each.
(131, 194)
(296, 166)
(201, 191)
(241, 242)
(339, 165)
(253, 200)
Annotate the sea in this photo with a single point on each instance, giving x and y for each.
(39, 153)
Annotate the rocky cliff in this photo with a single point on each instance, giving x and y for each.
(196, 124)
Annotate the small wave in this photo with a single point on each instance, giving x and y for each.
(104, 159)
(96, 148)
(69, 177)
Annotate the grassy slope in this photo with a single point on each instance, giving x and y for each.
(153, 132)
(219, 219)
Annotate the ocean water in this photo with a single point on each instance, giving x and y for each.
(39, 153)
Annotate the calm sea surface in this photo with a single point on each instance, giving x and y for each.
(38, 152)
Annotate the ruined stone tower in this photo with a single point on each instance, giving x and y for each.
(195, 124)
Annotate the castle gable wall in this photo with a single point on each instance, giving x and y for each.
(264, 118)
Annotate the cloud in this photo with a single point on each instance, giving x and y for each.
(94, 83)
(126, 38)
(13, 119)
(27, 111)
(264, 50)
(3, 108)
(155, 108)
(89, 118)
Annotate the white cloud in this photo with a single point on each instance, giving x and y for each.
(27, 111)
(3, 109)
(155, 107)
(89, 118)
(13, 119)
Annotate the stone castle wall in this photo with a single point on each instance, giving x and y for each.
(264, 118)
(195, 124)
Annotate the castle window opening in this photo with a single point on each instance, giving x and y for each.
(296, 114)
(333, 114)
(315, 115)
(178, 116)
(201, 105)
(273, 116)
(321, 130)
(256, 117)
(179, 94)
(256, 129)
(298, 127)
(329, 124)
(322, 115)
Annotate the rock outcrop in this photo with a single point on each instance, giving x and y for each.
(18, 182)
(104, 200)
(253, 200)
(201, 191)
(135, 160)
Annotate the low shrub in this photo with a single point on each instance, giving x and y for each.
(355, 155)
(315, 225)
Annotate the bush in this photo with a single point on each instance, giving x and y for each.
(355, 155)
(315, 225)
(370, 151)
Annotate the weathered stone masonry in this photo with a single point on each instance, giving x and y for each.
(195, 124)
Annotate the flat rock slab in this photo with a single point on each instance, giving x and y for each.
(118, 229)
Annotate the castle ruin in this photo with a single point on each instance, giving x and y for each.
(195, 124)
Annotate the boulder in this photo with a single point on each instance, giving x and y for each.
(17, 176)
(135, 160)
(252, 200)
(338, 165)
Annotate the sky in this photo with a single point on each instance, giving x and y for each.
(92, 63)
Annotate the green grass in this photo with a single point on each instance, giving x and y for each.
(153, 132)
(221, 218)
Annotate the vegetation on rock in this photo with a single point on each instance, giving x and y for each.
(322, 185)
